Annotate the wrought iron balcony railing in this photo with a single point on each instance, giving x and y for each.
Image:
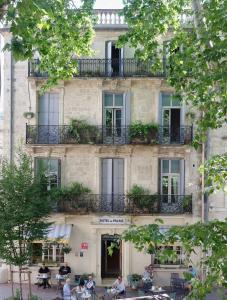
(94, 67)
(122, 204)
(63, 134)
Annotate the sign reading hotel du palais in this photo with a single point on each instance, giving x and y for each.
(113, 220)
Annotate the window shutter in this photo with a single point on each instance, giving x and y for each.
(127, 108)
(182, 176)
(159, 175)
(59, 172)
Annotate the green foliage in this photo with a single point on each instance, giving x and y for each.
(69, 193)
(24, 205)
(136, 277)
(187, 203)
(141, 197)
(215, 170)
(143, 132)
(206, 240)
(83, 133)
(56, 30)
(194, 54)
(66, 249)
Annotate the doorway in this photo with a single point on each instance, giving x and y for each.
(110, 265)
(171, 125)
(114, 56)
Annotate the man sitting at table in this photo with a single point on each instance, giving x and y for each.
(90, 284)
(64, 270)
(119, 285)
(44, 273)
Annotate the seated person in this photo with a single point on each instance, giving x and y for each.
(193, 274)
(119, 285)
(64, 270)
(67, 291)
(80, 288)
(44, 271)
(90, 284)
(146, 276)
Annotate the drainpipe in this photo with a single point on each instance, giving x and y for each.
(11, 111)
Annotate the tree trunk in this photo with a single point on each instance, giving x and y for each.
(20, 284)
(11, 280)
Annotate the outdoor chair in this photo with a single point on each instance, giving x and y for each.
(147, 286)
(141, 293)
(176, 282)
(172, 296)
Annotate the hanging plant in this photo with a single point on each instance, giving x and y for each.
(28, 115)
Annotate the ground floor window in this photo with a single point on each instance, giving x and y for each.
(178, 259)
(48, 253)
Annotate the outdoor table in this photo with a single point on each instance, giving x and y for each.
(79, 294)
(85, 296)
(41, 277)
(112, 292)
(157, 291)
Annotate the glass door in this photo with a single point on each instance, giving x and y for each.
(113, 119)
(170, 181)
(48, 118)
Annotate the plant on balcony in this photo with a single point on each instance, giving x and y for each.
(31, 134)
(187, 204)
(142, 199)
(71, 198)
(83, 133)
(143, 133)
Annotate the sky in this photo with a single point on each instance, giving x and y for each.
(106, 3)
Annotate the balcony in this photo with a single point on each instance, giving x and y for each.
(102, 135)
(121, 204)
(94, 67)
(112, 18)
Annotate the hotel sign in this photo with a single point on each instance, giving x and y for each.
(106, 220)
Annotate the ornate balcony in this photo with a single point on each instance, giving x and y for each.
(121, 204)
(103, 135)
(95, 67)
(110, 18)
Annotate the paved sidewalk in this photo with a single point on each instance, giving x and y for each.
(52, 293)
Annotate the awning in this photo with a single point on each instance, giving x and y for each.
(59, 232)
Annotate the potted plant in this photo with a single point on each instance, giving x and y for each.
(142, 199)
(71, 198)
(135, 280)
(187, 204)
(83, 133)
(143, 133)
(66, 249)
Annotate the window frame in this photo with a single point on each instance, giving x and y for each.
(50, 184)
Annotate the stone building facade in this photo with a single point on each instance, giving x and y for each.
(112, 93)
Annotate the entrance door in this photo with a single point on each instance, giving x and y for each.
(48, 118)
(110, 265)
(114, 56)
(112, 185)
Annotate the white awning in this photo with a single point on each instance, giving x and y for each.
(59, 232)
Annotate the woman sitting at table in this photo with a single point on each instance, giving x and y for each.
(119, 285)
(90, 284)
(68, 293)
(44, 273)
